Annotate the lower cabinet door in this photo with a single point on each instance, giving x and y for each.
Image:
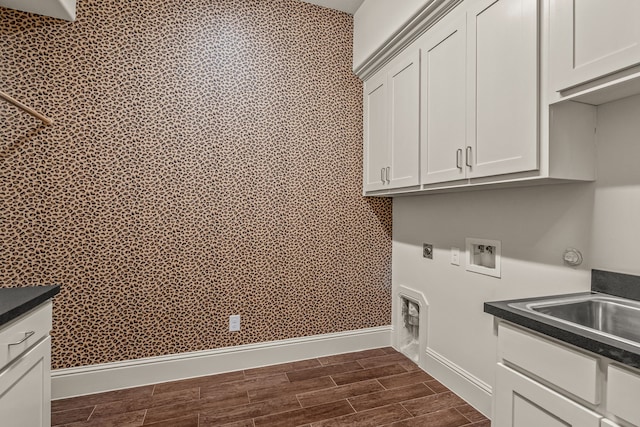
(522, 402)
(25, 389)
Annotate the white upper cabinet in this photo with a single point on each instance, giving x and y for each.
(391, 125)
(376, 125)
(591, 39)
(502, 87)
(460, 99)
(404, 110)
(480, 92)
(443, 98)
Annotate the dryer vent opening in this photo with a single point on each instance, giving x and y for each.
(409, 339)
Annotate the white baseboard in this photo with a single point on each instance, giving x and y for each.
(460, 381)
(132, 373)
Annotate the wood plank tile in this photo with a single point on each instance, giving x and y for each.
(402, 380)
(219, 391)
(395, 358)
(368, 388)
(323, 371)
(281, 369)
(387, 397)
(338, 393)
(370, 418)
(291, 388)
(387, 359)
(129, 405)
(206, 381)
(94, 399)
(485, 423)
(305, 415)
(182, 409)
(351, 357)
(444, 418)
(367, 374)
(252, 410)
(433, 403)
(436, 386)
(243, 423)
(188, 421)
(71, 415)
(129, 419)
(471, 413)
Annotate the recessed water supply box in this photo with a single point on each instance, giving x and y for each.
(484, 256)
(411, 324)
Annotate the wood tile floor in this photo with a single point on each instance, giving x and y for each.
(378, 387)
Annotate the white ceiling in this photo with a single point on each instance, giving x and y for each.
(63, 9)
(348, 6)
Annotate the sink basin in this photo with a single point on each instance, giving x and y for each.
(618, 318)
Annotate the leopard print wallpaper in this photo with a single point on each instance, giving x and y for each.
(204, 160)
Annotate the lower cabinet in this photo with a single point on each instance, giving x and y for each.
(622, 392)
(25, 369)
(542, 382)
(522, 402)
(25, 388)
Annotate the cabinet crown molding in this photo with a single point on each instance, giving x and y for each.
(424, 19)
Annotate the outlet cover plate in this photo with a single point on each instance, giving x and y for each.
(234, 323)
(455, 256)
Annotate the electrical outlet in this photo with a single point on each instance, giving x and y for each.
(427, 250)
(234, 323)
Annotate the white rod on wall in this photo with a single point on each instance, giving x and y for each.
(46, 120)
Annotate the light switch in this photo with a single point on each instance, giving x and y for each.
(455, 256)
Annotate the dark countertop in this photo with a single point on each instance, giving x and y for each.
(17, 301)
(604, 346)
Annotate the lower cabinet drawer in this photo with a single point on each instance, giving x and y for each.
(623, 388)
(570, 370)
(19, 335)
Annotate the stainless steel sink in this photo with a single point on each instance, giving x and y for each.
(618, 318)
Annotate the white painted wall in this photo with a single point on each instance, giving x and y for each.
(616, 213)
(377, 20)
(535, 225)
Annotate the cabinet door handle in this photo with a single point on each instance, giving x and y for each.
(468, 155)
(459, 158)
(27, 335)
(388, 174)
(382, 175)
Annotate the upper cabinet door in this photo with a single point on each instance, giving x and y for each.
(443, 102)
(502, 87)
(376, 132)
(404, 98)
(592, 38)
